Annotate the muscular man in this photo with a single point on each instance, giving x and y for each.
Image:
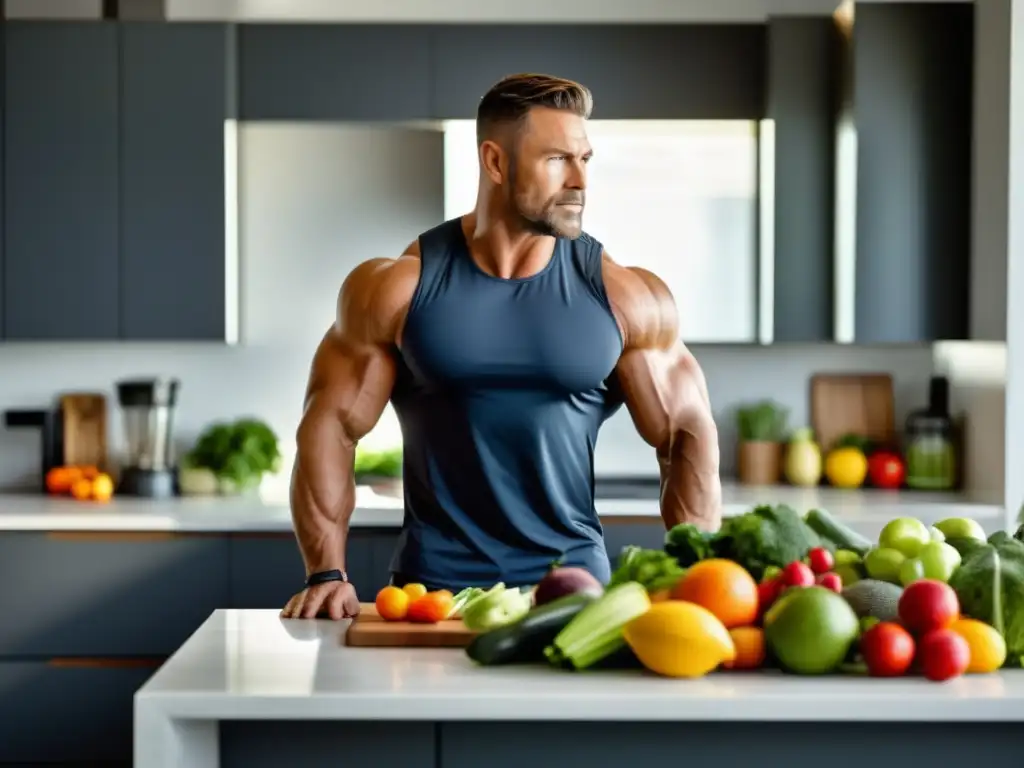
(503, 339)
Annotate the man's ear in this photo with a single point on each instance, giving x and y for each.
(492, 161)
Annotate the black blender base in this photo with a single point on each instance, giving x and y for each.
(153, 484)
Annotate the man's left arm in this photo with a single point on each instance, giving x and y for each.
(666, 394)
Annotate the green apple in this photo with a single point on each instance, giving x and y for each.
(884, 564)
(961, 528)
(846, 557)
(939, 560)
(936, 534)
(911, 570)
(849, 573)
(904, 534)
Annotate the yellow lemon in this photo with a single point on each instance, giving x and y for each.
(679, 639)
(414, 591)
(846, 468)
(988, 649)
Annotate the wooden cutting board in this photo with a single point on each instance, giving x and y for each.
(861, 404)
(369, 630)
(84, 417)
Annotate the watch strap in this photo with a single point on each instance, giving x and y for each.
(322, 577)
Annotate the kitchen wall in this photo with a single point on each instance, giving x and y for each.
(314, 201)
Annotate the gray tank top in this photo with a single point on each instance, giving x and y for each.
(502, 386)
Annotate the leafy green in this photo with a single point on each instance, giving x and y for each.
(990, 586)
(238, 453)
(652, 568)
(766, 535)
(386, 463)
(688, 544)
(763, 421)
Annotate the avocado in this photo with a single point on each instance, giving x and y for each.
(871, 597)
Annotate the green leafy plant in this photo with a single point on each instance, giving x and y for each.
(763, 422)
(238, 453)
(378, 463)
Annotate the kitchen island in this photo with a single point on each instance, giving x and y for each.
(251, 689)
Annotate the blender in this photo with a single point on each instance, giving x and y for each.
(148, 408)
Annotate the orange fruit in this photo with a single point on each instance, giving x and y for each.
(723, 587)
(432, 607)
(414, 591)
(81, 489)
(102, 487)
(392, 603)
(749, 642)
(89, 472)
(60, 479)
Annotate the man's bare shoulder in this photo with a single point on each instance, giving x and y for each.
(375, 297)
(643, 305)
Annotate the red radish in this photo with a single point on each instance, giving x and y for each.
(768, 592)
(831, 581)
(820, 560)
(797, 574)
(943, 655)
(928, 604)
(888, 649)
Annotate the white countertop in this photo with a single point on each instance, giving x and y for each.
(255, 665)
(866, 510)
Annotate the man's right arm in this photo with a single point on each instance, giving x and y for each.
(350, 382)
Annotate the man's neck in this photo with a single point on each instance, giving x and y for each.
(505, 249)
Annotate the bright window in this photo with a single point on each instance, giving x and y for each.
(676, 197)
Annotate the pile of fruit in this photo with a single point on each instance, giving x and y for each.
(802, 594)
(82, 483)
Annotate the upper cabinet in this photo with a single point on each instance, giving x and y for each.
(116, 212)
(334, 72)
(61, 258)
(638, 72)
(796, 195)
(912, 105)
(177, 205)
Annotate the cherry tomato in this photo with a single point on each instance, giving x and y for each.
(886, 470)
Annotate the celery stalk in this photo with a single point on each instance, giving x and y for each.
(596, 632)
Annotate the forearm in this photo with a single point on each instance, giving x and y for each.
(322, 492)
(691, 487)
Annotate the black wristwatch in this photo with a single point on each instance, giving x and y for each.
(321, 577)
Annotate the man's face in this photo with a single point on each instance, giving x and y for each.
(547, 176)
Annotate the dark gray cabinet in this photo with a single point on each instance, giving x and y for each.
(334, 72)
(68, 712)
(177, 89)
(645, 532)
(801, 74)
(61, 262)
(107, 595)
(267, 569)
(912, 104)
(634, 71)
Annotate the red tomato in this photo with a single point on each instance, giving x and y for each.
(886, 470)
(888, 649)
(943, 655)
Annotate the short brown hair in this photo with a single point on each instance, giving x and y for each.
(511, 99)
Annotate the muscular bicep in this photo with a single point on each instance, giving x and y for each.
(349, 386)
(665, 392)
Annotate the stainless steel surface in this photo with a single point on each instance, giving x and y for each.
(148, 431)
(627, 489)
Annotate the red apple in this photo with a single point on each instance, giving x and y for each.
(928, 604)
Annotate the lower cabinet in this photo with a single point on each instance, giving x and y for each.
(53, 711)
(267, 569)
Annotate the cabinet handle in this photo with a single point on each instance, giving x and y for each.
(74, 662)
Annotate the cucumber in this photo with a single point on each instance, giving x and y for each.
(830, 529)
(524, 641)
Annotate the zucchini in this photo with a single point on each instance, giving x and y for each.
(524, 641)
(834, 532)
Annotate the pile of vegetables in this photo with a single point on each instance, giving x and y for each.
(990, 586)
(235, 455)
(766, 536)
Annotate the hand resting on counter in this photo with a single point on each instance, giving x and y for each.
(331, 600)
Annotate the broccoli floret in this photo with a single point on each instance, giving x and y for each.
(688, 544)
(767, 535)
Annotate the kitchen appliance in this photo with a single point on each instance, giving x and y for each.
(930, 442)
(147, 407)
